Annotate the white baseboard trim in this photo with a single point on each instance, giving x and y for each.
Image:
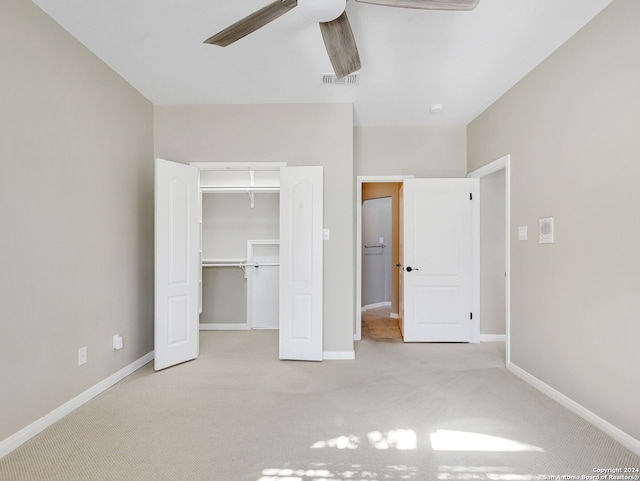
(377, 304)
(493, 338)
(338, 355)
(395, 315)
(36, 427)
(623, 438)
(224, 327)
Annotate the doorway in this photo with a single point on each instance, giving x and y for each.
(370, 188)
(447, 205)
(495, 312)
(379, 258)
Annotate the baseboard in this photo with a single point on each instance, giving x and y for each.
(623, 438)
(394, 315)
(338, 355)
(22, 436)
(224, 327)
(493, 338)
(377, 304)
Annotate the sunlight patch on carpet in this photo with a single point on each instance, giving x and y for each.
(444, 440)
(400, 439)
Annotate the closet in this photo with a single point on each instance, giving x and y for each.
(238, 246)
(240, 221)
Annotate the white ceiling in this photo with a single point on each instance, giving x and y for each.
(411, 59)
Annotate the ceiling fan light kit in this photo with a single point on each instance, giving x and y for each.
(322, 10)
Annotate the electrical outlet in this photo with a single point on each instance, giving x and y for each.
(82, 355)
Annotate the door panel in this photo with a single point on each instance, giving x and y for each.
(177, 263)
(437, 250)
(301, 202)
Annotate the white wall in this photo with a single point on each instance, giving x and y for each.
(309, 134)
(76, 210)
(571, 127)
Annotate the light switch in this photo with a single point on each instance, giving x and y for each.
(325, 234)
(522, 233)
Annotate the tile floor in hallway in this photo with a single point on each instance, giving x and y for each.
(378, 325)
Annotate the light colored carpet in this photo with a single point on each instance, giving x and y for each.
(398, 412)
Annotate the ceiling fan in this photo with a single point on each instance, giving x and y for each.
(334, 24)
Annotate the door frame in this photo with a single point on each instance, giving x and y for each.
(503, 162)
(363, 179)
(475, 274)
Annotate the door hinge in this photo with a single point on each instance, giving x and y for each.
(470, 195)
(471, 315)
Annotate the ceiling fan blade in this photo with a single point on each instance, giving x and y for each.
(427, 4)
(251, 23)
(341, 45)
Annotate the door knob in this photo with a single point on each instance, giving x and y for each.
(409, 269)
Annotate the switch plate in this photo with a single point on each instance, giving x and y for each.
(82, 355)
(117, 342)
(325, 234)
(523, 232)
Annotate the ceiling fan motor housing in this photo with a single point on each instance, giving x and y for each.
(322, 10)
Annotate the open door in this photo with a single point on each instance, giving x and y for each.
(436, 260)
(301, 221)
(177, 263)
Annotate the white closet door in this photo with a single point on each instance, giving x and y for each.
(301, 214)
(177, 263)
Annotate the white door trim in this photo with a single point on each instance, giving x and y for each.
(503, 162)
(362, 179)
(238, 165)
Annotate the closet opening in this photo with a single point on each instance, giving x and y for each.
(218, 257)
(240, 255)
